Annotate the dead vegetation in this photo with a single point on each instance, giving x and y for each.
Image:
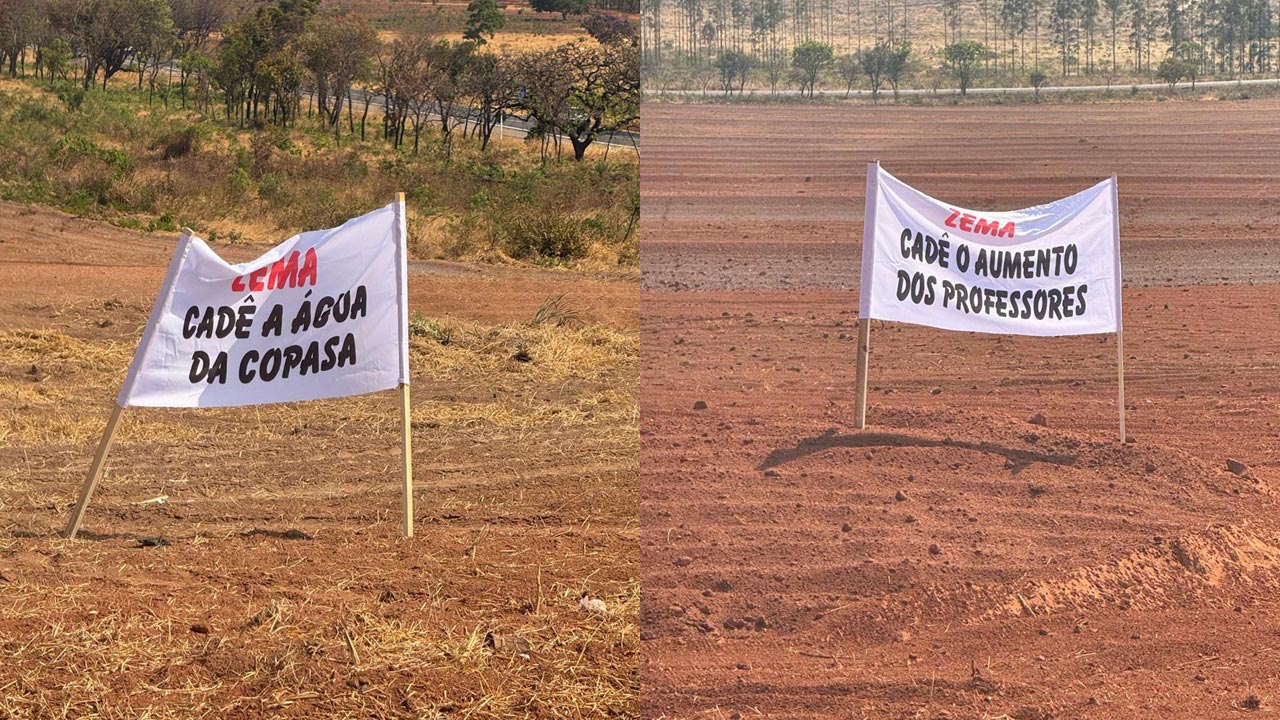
(246, 562)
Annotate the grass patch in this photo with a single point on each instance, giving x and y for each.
(115, 155)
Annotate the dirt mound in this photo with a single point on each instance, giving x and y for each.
(1186, 569)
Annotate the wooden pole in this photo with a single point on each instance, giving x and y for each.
(864, 349)
(1115, 215)
(406, 426)
(95, 471)
(1120, 368)
(864, 301)
(407, 442)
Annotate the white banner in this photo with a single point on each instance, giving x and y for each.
(1052, 269)
(324, 314)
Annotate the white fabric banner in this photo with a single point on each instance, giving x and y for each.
(323, 314)
(1052, 269)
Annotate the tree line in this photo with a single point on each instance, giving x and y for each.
(264, 64)
(716, 40)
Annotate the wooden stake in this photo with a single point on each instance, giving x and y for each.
(406, 426)
(1120, 385)
(1115, 215)
(864, 297)
(95, 471)
(407, 441)
(864, 349)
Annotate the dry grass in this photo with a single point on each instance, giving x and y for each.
(526, 473)
(44, 376)
(305, 656)
(105, 158)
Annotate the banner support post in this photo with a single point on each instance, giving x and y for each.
(95, 471)
(864, 349)
(1115, 214)
(1120, 385)
(406, 427)
(864, 319)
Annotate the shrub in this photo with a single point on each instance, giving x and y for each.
(542, 235)
(420, 326)
(180, 143)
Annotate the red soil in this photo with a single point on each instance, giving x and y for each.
(1028, 570)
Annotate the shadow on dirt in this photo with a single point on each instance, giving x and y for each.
(1018, 458)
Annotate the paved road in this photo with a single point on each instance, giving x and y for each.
(976, 90)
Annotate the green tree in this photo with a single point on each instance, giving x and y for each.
(1170, 71)
(1192, 56)
(21, 24)
(734, 65)
(1115, 9)
(1064, 20)
(338, 50)
(899, 65)
(962, 60)
(809, 59)
(56, 57)
(564, 7)
(1038, 80)
(872, 62)
(484, 18)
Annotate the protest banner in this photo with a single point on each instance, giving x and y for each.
(322, 315)
(1048, 270)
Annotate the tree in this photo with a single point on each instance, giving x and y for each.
(402, 82)
(885, 62)
(1038, 80)
(338, 50)
(582, 91)
(564, 7)
(56, 57)
(272, 31)
(1170, 71)
(1064, 17)
(1139, 20)
(607, 29)
(446, 69)
(775, 67)
(899, 65)
(849, 69)
(1192, 56)
(108, 33)
(195, 20)
(1115, 8)
(21, 24)
(809, 59)
(734, 66)
(484, 18)
(490, 81)
(962, 60)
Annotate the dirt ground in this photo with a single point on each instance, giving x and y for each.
(956, 559)
(279, 585)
